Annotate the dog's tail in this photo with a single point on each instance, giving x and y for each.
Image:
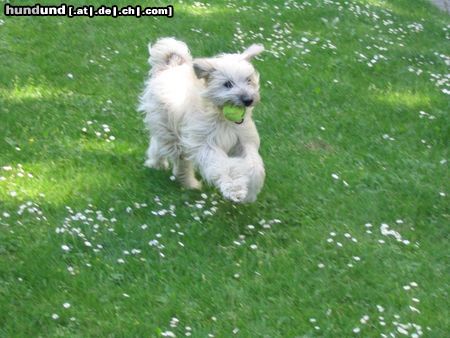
(166, 53)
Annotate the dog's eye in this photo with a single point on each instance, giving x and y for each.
(228, 84)
(249, 80)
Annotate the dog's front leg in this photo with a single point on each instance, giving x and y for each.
(254, 166)
(224, 172)
(254, 170)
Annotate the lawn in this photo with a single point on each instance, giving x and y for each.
(349, 236)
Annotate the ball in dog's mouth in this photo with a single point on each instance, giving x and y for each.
(234, 113)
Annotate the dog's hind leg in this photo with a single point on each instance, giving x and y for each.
(154, 158)
(183, 170)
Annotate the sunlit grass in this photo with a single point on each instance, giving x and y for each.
(209, 9)
(30, 91)
(407, 99)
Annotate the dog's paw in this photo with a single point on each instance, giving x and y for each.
(193, 184)
(162, 164)
(250, 198)
(234, 190)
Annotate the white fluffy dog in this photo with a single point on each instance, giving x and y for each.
(184, 102)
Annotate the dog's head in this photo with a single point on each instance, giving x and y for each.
(230, 79)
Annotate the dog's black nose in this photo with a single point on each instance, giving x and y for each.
(247, 102)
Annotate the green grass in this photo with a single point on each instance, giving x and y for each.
(323, 112)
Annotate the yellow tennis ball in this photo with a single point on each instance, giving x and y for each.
(233, 113)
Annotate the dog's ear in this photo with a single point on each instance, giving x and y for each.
(252, 51)
(202, 68)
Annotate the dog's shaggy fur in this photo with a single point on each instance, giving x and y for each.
(183, 101)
